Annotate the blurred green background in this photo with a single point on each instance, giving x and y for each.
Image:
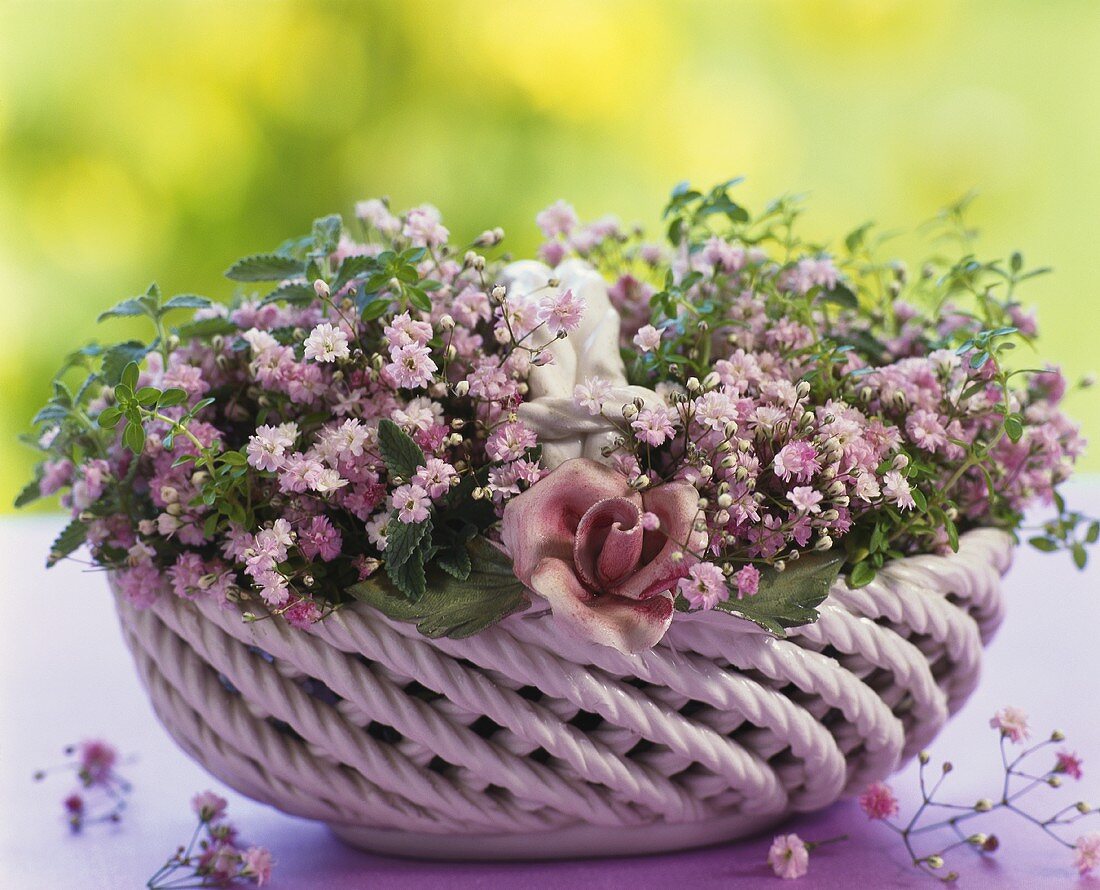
(162, 139)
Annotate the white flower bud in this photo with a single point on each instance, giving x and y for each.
(462, 387)
(447, 323)
(321, 289)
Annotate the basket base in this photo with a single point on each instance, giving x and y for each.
(574, 842)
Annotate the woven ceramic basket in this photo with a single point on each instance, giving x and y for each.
(518, 743)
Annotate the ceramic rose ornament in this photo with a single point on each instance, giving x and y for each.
(604, 556)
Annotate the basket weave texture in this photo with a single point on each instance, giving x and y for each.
(521, 743)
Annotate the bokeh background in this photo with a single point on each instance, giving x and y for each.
(143, 140)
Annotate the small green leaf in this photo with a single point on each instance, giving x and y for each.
(409, 577)
(71, 537)
(842, 295)
(131, 307)
(789, 598)
(1080, 555)
(402, 455)
(170, 398)
(455, 561)
(1093, 534)
(264, 267)
(351, 268)
(118, 357)
(919, 499)
(31, 492)
(861, 575)
(130, 376)
(148, 395)
(404, 539)
(109, 417)
(326, 233)
(451, 607)
(295, 294)
(1014, 427)
(134, 437)
(187, 301)
(206, 327)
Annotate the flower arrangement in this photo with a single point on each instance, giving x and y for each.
(624, 430)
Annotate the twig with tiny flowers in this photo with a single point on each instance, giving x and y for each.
(1019, 780)
(103, 792)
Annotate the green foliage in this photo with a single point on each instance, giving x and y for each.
(451, 606)
(788, 598)
(402, 455)
(72, 536)
(264, 267)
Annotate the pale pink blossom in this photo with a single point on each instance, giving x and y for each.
(648, 338)
(412, 366)
(411, 503)
(704, 587)
(326, 344)
(1086, 852)
(558, 219)
(435, 477)
(747, 579)
(653, 425)
(592, 394)
(208, 806)
(798, 460)
(788, 856)
(1069, 763)
(1012, 722)
(896, 489)
(561, 313)
(805, 499)
(256, 863)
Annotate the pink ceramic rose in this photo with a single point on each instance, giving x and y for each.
(577, 539)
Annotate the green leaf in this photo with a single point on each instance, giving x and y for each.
(419, 299)
(134, 437)
(409, 576)
(1080, 555)
(109, 417)
(405, 539)
(207, 327)
(187, 301)
(326, 233)
(1014, 427)
(264, 267)
(451, 607)
(789, 598)
(32, 491)
(130, 376)
(455, 561)
(73, 535)
(295, 294)
(133, 306)
(170, 398)
(118, 357)
(402, 455)
(1093, 533)
(352, 267)
(842, 296)
(861, 575)
(919, 499)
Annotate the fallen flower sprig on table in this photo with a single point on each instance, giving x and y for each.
(1020, 779)
(102, 794)
(212, 857)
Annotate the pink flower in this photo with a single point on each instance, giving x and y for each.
(805, 499)
(256, 863)
(896, 489)
(208, 806)
(705, 586)
(1012, 722)
(653, 425)
(558, 219)
(562, 313)
(648, 338)
(510, 442)
(302, 613)
(411, 502)
(1086, 852)
(591, 394)
(1069, 763)
(797, 459)
(435, 477)
(411, 366)
(577, 539)
(326, 344)
(789, 856)
(747, 580)
(878, 801)
(403, 331)
(320, 538)
(267, 447)
(97, 759)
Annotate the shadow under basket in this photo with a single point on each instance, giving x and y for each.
(519, 743)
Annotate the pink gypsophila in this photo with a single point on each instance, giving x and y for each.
(878, 801)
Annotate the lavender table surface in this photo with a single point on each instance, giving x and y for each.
(65, 675)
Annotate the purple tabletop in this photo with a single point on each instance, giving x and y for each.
(65, 675)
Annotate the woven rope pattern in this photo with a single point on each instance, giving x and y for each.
(364, 722)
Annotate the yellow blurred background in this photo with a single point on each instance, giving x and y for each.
(143, 140)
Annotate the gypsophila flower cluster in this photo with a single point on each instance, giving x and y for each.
(214, 856)
(358, 417)
(820, 397)
(359, 414)
(102, 793)
(1020, 780)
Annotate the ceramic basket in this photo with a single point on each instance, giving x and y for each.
(518, 743)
